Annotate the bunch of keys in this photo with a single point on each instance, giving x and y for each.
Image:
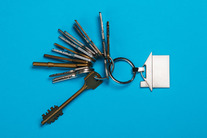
(81, 61)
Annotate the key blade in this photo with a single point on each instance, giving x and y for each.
(66, 77)
(51, 115)
(91, 82)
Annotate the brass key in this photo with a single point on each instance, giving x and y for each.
(64, 65)
(55, 112)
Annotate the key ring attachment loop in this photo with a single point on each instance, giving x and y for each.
(129, 62)
(107, 69)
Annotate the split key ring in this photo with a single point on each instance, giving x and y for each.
(130, 63)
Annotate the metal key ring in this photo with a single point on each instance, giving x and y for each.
(130, 63)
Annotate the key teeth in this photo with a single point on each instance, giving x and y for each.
(52, 119)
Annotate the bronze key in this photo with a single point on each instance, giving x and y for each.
(55, 112)
(63, 65)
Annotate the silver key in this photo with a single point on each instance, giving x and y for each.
(71, 74)
(75, 46)
(70, 55)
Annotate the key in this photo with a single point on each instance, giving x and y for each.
(55, 112)
(108, 41)
(65, 59)
(104, 46)
(69, 72)
(80, 44)
(70, 55)
(64, 65)
(102, 35)
(67, 49)
(85, 39)
(75, 41)
(75, 46)
(97, 50)
(77, 73)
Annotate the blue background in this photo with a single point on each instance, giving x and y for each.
(177, 28)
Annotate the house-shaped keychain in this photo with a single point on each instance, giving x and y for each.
(157, 72)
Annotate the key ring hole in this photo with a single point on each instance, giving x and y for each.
(130, 63)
